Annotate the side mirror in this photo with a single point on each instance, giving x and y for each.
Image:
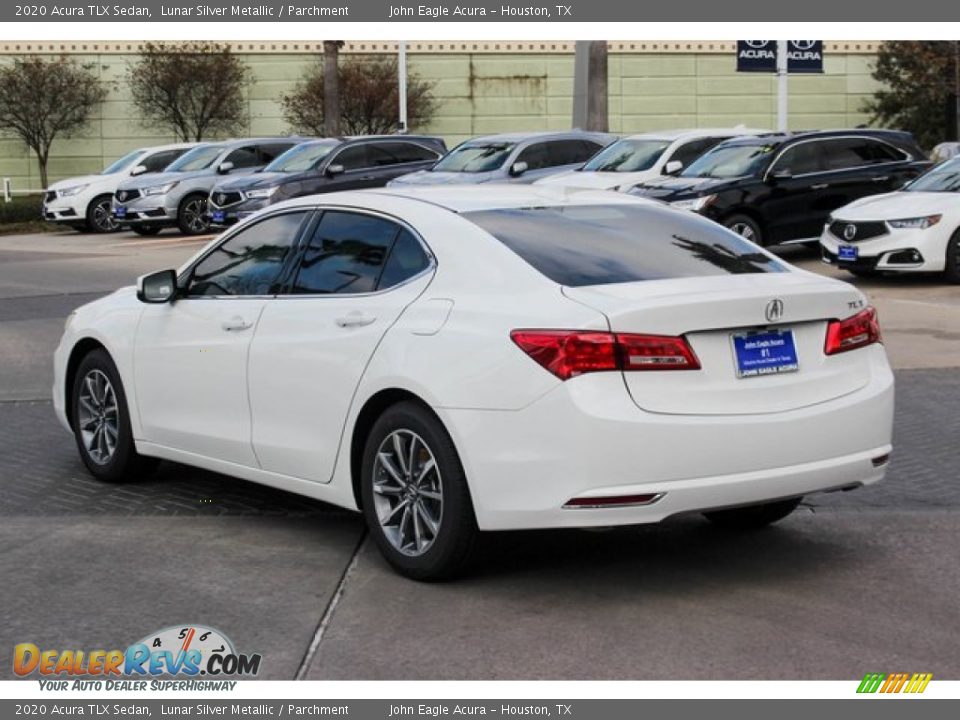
(673, 167)
(159, 287)
(224, 167)
(138, 170)
(518, 168)
(335, 170)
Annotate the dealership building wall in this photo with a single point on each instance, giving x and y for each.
(482, 87)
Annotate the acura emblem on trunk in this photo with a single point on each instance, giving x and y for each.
(849, 232)
(774, 310)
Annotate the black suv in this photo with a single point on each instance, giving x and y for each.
(782, 187)
(321, 166)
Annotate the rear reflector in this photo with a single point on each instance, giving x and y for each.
(881, 460)
(568, 353)
(855, 332)
(611, 501)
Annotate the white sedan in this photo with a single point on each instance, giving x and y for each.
(916, 229)
(453, 360)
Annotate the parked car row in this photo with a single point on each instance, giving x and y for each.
(771, 188)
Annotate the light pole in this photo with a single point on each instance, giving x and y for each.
(782, 75)
(402, 82)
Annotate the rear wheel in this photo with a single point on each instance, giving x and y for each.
(952, 267)
(746, 227)
(191, 215)
(415, 497)
(101, 422)
(100, 215)
(146, 230)
(753, 516)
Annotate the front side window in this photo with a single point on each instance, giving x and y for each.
(628, 156)
(200, 158)
(571, 152)
(688, 152)
(475, 158)
(801, 159)
(603, 244)
(731, 161)
(249, 262)
(536, 156)
(158, 161)
(408, 152)
(346, 254)
(354, 157)
(244, 157)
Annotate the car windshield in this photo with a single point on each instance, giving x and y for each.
(945, 178)
(730, 161)
(628, 156)
(123, 163)
(583, 245)
(475, 158)
(200, 158)
(306, 156)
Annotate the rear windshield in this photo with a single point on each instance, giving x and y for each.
(603, 244)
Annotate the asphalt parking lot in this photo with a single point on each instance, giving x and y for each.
(854, 582)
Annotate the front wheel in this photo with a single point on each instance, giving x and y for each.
(101, 422)
(191, 215)
(952, 267)
(746, 227)
(146, 230)
(100, 216)
(415, 497)
(753, 517)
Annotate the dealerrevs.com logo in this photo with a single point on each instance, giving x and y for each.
(890, 683)
(180, 651)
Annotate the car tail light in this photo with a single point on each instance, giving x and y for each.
(568, 353)
(855, 332)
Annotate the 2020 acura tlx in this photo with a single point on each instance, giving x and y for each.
(454, 360)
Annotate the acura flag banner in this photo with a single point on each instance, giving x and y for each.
(803, 56)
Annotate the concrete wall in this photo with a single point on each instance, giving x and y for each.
(485, 87)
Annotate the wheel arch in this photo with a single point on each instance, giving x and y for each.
(80, 350)
(372, 409)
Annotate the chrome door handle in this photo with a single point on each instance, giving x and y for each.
(821, 186)
(236, 323)
(355, 320)
(881, 179)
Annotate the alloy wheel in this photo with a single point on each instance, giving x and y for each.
(743, 230)
(193, 216)
(98, 417)
(408, 492)
(103, 220)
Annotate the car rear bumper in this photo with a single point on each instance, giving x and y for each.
(587, 439)
(896, 251)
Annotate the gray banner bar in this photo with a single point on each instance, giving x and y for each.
(482, 11)
(106, 709)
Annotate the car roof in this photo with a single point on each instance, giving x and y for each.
(171, 146)
(520, 137)
(779, 138)
(475, 198)
(691, 133)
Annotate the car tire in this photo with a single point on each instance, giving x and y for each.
(146, 230)
(100, 216)
(951, 269)
(191, 213)
(863, 273)
(414, 494)
(746, 227)
(753, 517)
(99, 412)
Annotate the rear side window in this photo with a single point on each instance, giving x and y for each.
(346, 254)
(856, 152)
(603, 244)
(406, 260)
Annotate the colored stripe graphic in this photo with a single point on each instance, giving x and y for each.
(894, 683)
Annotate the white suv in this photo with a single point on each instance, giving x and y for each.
(83, 202)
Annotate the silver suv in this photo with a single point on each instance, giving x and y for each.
(178, 196)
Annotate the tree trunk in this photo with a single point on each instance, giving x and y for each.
(42, 158)
(331, 87)
(597, 87)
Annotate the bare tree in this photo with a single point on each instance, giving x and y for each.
(369, 94)
(331, 87)
(41, 100)
(195, 89)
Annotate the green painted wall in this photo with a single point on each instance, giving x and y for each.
(483, 93)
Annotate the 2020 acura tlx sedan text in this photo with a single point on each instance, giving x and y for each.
(453, 360)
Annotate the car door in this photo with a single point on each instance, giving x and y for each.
(355, 276)
(190, 355)
(358, 171)
(795, 183)
(862, 166)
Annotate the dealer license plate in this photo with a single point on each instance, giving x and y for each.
(120, 212)
(219, 216)
(765, 353)
(847, 253)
